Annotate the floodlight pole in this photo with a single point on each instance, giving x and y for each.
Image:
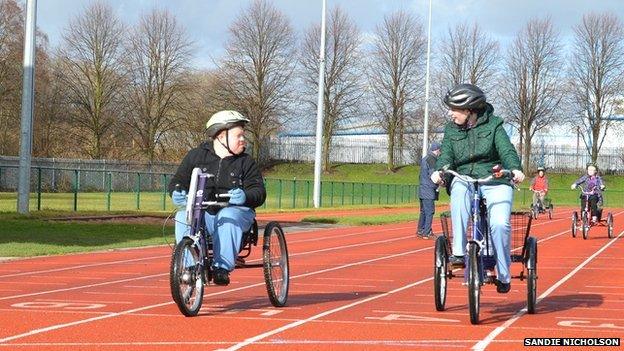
(426, 120)
(319, 117)
(28, 94)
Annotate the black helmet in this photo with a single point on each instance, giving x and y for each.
(466, 97)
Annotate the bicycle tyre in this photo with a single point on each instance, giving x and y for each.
(275, 264)
(585, 224)
(440, 265)
(610, 225)
(474, 283)
(531, 264)
(187, 287)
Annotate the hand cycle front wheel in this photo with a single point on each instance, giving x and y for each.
(440, 264)
(574, 223)
(275, 264)
(474, 282)
(185, 278)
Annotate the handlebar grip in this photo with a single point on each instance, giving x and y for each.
(178, 188)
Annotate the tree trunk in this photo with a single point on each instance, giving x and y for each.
(526, 151)
(391, 135)
(326, 150)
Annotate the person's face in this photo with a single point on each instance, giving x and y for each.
(236, 139)
(541, 173)
(459, 117)
(591, 171)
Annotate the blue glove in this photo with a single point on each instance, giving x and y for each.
(178, 198)
(237, 196)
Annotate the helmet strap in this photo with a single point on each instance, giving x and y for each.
(227, 142)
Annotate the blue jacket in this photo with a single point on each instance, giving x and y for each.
(427, 188)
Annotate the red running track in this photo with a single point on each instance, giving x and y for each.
(352, 288)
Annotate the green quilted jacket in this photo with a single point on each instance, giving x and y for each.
(473, 151)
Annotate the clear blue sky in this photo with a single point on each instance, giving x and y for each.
(206, 21)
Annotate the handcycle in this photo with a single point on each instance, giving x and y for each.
(191, 261)
(542, 207)
(585, 222)
(480, 262)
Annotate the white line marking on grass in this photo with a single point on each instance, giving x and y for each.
(481, 345)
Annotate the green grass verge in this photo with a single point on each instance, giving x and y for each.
(26, 236)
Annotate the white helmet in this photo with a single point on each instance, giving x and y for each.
(224, 120)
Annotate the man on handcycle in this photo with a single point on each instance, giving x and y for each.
(592, 185)
(473, 143)
(236, 174)
(539, 187)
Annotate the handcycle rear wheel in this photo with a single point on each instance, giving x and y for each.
(474, 282)
(585, 225)
(531, 265)
(550, 209)
(439, 273)
(275, 264)
(574, 223)
(185, 278)
(610, 225)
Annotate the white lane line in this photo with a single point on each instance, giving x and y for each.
(357, 279)
(166, 274)
(81, 287)
(420, 342)
(590, 318)
(87, 301)
(116, 314)
(22, 273)
(258, 337)
(83, 266)
(55, 327)
(481, 345)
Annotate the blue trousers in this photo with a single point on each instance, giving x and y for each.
(226, 227)
(427, 210)
(499, 200)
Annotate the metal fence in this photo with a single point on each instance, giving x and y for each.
(375, 150)
(107, 190)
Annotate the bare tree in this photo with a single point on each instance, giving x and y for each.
(49, 129)
(531, 88)
(396, 74)
(597, 67)
(343, 85)
(91, 56)
(465, 55)
(255, 75)
(157, 66)
(11, 46)
(468, 55)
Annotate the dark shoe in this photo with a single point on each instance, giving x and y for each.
(456, 260)
(221, 276)
(502, 288)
